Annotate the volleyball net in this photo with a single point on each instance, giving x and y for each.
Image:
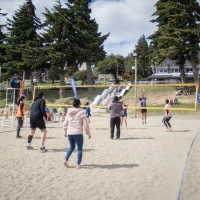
(181, 96)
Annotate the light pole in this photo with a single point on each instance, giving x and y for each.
(135, 68)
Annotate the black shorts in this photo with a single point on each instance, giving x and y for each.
(37, 123)
(123, 115)
(143, 110)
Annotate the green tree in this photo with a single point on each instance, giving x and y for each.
(113, 64)
(87, 41)
(129, 61)
(143, 57)
(2, 45)
(80, 75)
(22, 35)
(71, 70)
(53, 73)
(177, 36)
(57, 39)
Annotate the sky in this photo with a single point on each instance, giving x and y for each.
(125, 20)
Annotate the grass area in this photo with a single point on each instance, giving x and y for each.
(156, 98)
(52, 95)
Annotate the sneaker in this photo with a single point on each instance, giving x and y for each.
(43, 149)
(117, 138)
(29, 148)
(145, 123)
(111, 138)
(142, 123)
(65, 163)
(18, 136)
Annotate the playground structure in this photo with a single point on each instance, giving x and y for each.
(107, 95)
(9, 109)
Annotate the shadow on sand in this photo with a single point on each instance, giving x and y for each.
(137, 138)
(46, 138)
(65, 150)
(114, 166)
(182, 131)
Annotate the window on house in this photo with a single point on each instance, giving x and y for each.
(165, 70)
(176, 70)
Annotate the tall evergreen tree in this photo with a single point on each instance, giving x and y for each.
(177, 36)
(142, 50)
(88, 42)
(2, 26)
(2, 37)
(57, 39)
(22, 36)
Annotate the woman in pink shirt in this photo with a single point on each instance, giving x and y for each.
(73, 126)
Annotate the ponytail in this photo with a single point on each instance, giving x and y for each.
(20, 99)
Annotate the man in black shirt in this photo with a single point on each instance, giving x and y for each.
(38, 118)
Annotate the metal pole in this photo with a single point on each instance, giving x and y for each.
(135, 111)
(105, 76)
(23, 83)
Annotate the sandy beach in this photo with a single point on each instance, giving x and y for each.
(146, 164)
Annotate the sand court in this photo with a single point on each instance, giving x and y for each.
(147, 163)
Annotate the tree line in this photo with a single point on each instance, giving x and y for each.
(69, 37)
(177, 37)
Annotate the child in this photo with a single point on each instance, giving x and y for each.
(87, 110)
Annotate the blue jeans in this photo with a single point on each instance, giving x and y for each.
(75, 140)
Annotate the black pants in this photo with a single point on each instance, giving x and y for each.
(15, 95)
(20, 123)
(166, 122)
(115, 121)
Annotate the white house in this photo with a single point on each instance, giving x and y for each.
(168, 71)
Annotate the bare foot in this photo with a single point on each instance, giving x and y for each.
(65, 163)
(171, 129)
(79, 166)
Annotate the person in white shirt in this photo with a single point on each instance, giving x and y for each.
(168, 116)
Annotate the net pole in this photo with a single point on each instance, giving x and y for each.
(34, 92)
(23, 82)
(196, 96)
(135, 114)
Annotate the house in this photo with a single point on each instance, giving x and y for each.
(168, 71)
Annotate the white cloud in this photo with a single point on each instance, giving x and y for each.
(126, 20)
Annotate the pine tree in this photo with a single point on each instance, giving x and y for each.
(88, 42)
(143, 57)
(2, 37)
(22, 37)
(57, 39)
(177, 36)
